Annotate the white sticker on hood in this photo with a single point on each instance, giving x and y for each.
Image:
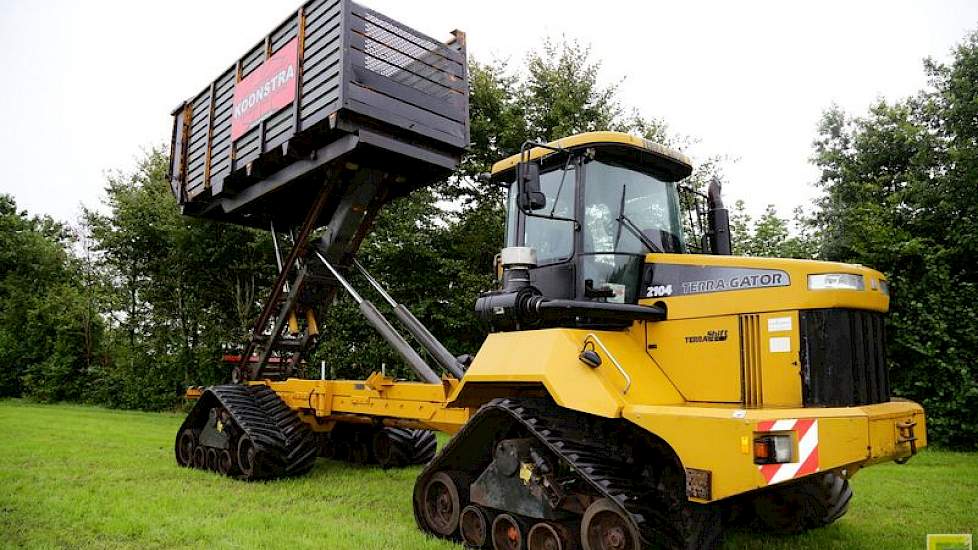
(778, 324)
(780, 344)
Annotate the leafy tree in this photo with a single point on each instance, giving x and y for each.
(181, 288)
(48, 339)
(770, 235)
(899, 195)
(561, 94)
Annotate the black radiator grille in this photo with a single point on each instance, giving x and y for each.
(843, 358)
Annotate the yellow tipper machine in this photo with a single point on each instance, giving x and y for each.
(638, 385)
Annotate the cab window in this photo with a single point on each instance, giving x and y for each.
(552, 239)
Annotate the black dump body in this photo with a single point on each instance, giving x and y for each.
(336, 88)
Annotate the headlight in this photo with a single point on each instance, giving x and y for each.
(836, 281)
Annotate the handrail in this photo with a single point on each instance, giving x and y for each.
(628, 379)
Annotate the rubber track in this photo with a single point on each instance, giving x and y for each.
(251, 419)
(301, 445)
(284, 445)
(410, 446)
(583, 442)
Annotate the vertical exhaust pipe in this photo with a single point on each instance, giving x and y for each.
(719, 220)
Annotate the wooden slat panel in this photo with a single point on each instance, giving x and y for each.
(409, 95)
(322, 44)
(222, 110)
(322, 22)
(325, 59)
(326, 83)
(403, 110)
(315, 10)
(198, 139)
(312, 108)
(278, 124)
(252, 60)
(200, 100)
(222, 119)
(284, 34)
(247, 157)
(221, 166)
(456, 137)
(195, 156)
(245, 144)
(198, 144)
(221, 150)
(246, 147)
(225, 86)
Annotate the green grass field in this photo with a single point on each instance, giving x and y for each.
(73, 476)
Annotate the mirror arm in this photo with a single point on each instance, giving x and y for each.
(525, 149)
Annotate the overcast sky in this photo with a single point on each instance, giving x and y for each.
(88, 84)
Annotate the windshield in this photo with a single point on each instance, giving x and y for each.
(621, 204)
(627, 214)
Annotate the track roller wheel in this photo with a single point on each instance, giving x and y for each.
(507, 533)
(200, 458)
(442, 504)
(246, 457)
(185, 448)
(604, 527)
(472, 526)
(225, 464)
(212, 459)
(547, 536)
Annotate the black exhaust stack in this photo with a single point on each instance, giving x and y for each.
(719, 220)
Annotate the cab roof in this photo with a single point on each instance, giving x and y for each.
(643, 151)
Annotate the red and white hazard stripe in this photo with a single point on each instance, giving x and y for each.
(807, 437)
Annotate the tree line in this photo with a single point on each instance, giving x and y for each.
(131, 303)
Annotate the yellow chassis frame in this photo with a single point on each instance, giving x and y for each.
(706, 438)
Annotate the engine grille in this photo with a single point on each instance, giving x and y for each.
(750, 360)
(843, 358)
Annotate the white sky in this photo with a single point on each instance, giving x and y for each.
(88, 84)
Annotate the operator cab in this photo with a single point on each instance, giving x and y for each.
(592, 206)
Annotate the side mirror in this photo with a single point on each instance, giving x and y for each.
(528, 183)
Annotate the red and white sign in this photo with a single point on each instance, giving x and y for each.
(266, 90)
(807, 437)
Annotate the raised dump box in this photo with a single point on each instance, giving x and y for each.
(336, 89)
